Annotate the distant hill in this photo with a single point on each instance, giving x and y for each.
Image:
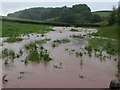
(76, 14)
(80, 13)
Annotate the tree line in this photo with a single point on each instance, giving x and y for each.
(115, 16)
(76, 14)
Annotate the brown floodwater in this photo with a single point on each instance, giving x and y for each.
(93, 73)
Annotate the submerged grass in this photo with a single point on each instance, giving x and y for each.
(8, 54)
(38, 55)
(30, 46)
(33, 45)
(5, 53)
(57, 42)
(12, 54)
(74, 30)
(77, 36)
(33, 56)
(13, 39)
(37, 52)
(21, 52)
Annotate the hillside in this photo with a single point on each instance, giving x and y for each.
(27, 21)
(80, 13)
(103, 14)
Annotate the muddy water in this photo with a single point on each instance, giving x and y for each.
(96, 74)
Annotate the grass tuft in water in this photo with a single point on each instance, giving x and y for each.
(5, 53)
(21, 52)
(77, 36)
(57, 42)
(8, 54)
(74, 30)
(12, 54)
(37, 52)
(13, 39)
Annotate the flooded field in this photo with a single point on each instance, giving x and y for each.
(66, 69)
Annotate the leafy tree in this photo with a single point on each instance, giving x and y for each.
(115, 16)
(76, 14)
(95, 18)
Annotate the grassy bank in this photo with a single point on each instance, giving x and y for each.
(111, 47)
(15, 29)
(108, 31)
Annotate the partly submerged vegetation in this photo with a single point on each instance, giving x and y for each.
(37, 56)
(8, 53)
(77, 36)
(57, 42)
(13, 39)
(36, 52)
(100, 45)
(74, 30)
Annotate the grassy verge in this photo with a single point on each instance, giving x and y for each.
(95, 44)
(15, 29)
(108, 31)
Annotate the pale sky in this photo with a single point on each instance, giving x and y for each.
(10, 6)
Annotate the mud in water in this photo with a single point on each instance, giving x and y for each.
(92, 73)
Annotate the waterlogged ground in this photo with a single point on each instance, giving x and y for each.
(65, 70)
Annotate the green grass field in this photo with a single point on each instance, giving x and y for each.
(10, 29)
(102, 23)
(102, 14)
(108, 31)
(111, 47)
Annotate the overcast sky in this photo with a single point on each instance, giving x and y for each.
(9, 6)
